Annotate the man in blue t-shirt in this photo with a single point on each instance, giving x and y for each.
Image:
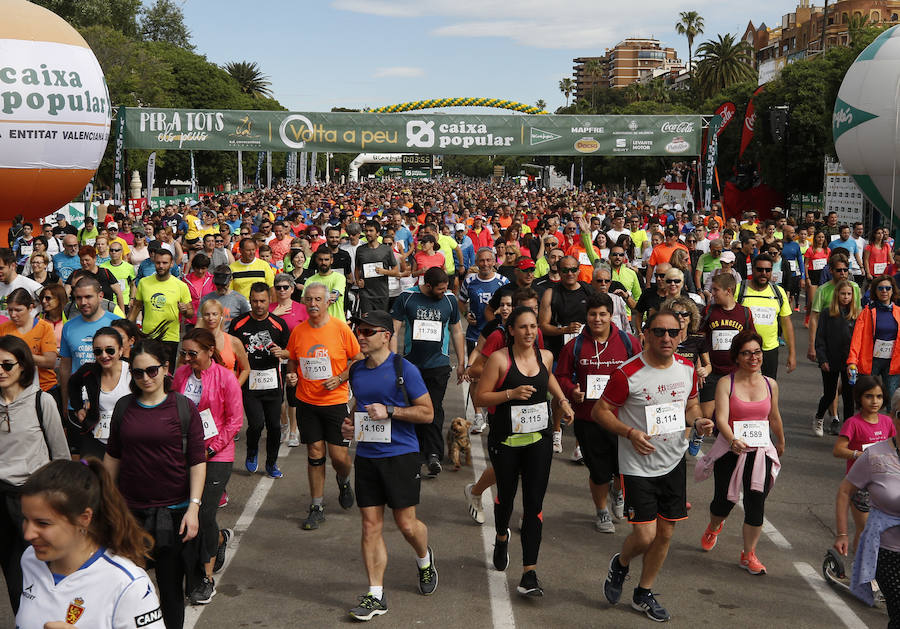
(67, 260)
(387, 457)
(476, 292)
(430, 312)
(846, 242)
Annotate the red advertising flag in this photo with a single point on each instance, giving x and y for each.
(749, 122)
(727, 111)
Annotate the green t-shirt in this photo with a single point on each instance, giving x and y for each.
(334, 281)
(447, 244)
(160, 303)
(124, 272)
(825, 293)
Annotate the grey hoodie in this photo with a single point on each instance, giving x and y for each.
(23, 449)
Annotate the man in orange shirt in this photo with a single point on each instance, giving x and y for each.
(663, 251)
(321, 351)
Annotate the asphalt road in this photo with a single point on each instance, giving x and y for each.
(278, 575)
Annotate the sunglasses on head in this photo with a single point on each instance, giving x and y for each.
(367, 332)
(110, 351)
(661, 332)
(152, 371)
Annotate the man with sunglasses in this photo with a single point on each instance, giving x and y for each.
(648, 402)
(839, 265)
(770, 306)
(121, 270)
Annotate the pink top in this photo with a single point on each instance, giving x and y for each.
(739, 410)
(295, 317)
(222, 396)
(862, 434)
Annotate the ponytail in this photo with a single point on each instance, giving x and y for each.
(71, 487)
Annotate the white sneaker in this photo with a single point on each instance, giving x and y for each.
(577, 457)
(284, 433)
(618, 504)
(476, 510)
(293, 440)
(557, 441)
(817, 424)
(604, 523)
(478, 424)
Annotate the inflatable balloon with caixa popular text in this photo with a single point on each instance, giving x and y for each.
(54, 111)
(865, 117)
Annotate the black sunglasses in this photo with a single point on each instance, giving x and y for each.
(763, 269)
(115, 250)
(599, 281)
(660, 276)
(661, 332)
(682, 314)
(672, 281)
(367, 332)
(151, 371)
(568, 269)
(616, 255)
(110, 351)
(283, 287)
(844, 270)
(7, 367)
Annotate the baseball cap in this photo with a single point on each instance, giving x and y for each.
(375, 319)
(60, 217)
(727, 256)
(525, 264)
(671, 230)
(460, 227)
(112, 225)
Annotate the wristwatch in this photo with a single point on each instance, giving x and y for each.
(390, 411)
(196, 501)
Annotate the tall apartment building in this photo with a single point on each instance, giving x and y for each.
(628, 62)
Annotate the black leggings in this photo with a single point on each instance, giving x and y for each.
(12, 545)
(754, 501)
(263, 411)
(887, 573)
(217, 475)
(431, 436)
(829, 388)
(532, 463)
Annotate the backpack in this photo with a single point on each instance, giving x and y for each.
(184, 414)
(39, 410)
(742, 288)
(626, 341)
(398, 373)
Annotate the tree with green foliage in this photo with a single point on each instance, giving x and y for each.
(120, 15)
(856, 26)
(567, 86)
(723, 62)
(541, 104)
(594, 70)
(250, 78)
(164, 21)
(689, 24)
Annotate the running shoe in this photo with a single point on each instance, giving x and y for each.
(751, 563)
(557, 441)
(434, 465)
(647, 603)
(615, 578)
(220, 551)
(345, 498)
(223, 501)
(577, 457)
(817, 424)
(293, 440)
(316, 515)
(835, 427)
(272, 471)
(476, 509)
(428, 577)
(710, 537)
(618, 504)
(530, 585)
(204, 591)
(252, 464)
(501, 553)
(604, 522)
(478, 424)
(369, 607)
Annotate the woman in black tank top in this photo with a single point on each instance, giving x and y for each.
(515, 386)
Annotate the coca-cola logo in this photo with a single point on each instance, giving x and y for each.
(749, 121)
(727, 115)
(677, 127)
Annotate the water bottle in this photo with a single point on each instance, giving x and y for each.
(853, 373)
(695, 442)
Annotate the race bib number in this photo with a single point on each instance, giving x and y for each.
(530, 418)
(210, 429)
(663, 419)
(835, 237)
(340, 271)
(370, 430)
(721, 339)
(818, 264)
(123, 284)
(393, 283)
(793, 264)
(749, 268)
(318, 368)
(569, 337)
(777, 276)
(26, 250)
(706, 277)
(583, 259)
(263, 379)
(101, 430)
(879, 268)
(595, 387)
(754, 433)
(426, 330)
(369, 271)
(883, 349)
(763, 315)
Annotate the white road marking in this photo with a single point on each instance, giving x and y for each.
(775, 536)
(498, 586)
(192, 613)
(835, 604)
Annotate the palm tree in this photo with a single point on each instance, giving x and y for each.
(690, 25)
(856, 25)
(567, 86)
(723, 63)
(250, 78)
(541, 104)
(593, 69)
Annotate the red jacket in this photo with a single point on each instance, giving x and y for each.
(484, 239)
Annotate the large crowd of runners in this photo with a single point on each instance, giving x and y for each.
(134, 351)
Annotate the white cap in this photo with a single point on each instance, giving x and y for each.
(112, 225)
(460, 227)
(678, 206)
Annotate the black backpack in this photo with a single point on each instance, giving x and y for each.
(398, 372)
(742, 289)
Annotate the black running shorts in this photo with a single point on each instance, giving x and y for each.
(647, 499)
(393, 481)
(322, 423)
(599, 447)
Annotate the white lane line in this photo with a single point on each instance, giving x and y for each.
(192, 613)
(839, 607)
(498, 587)
(775, 535)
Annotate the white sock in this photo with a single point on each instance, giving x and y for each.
(423, 562)
(377, 591)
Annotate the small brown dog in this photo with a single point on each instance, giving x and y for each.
(458, 444)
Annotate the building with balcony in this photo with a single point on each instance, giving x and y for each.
(631, 60)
